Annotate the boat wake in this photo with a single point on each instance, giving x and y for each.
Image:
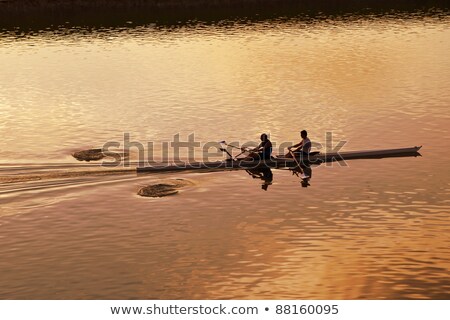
(15, 178)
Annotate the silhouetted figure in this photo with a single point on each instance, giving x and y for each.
(263, 151)
(303, 148)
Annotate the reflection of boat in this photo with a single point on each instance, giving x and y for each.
(281, 162)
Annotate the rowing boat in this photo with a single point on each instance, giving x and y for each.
(281, 161)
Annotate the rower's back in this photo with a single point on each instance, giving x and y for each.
(266, 146)
(306, 143)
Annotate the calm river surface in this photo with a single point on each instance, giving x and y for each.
(375, 229)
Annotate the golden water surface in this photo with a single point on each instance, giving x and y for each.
(375, 229)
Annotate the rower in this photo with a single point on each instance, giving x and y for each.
(263, 151)
(302, 148)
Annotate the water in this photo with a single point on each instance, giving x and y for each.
(375, 229)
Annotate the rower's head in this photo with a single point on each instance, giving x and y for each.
(264, 137)
(303, 134)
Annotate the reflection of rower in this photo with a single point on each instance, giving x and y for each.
(304, 171)
(265, 174)
(303, 148)
(305, 183)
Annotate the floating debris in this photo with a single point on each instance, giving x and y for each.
(163, 189)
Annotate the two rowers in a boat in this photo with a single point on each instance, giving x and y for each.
(264, 149)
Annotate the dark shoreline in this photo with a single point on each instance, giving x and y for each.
(35, 14)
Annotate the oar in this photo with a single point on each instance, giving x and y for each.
(232, 146)
(296, 161)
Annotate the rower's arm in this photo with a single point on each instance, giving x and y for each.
(256, 149)
(296, 145)
(264, 147)
(260, 147)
